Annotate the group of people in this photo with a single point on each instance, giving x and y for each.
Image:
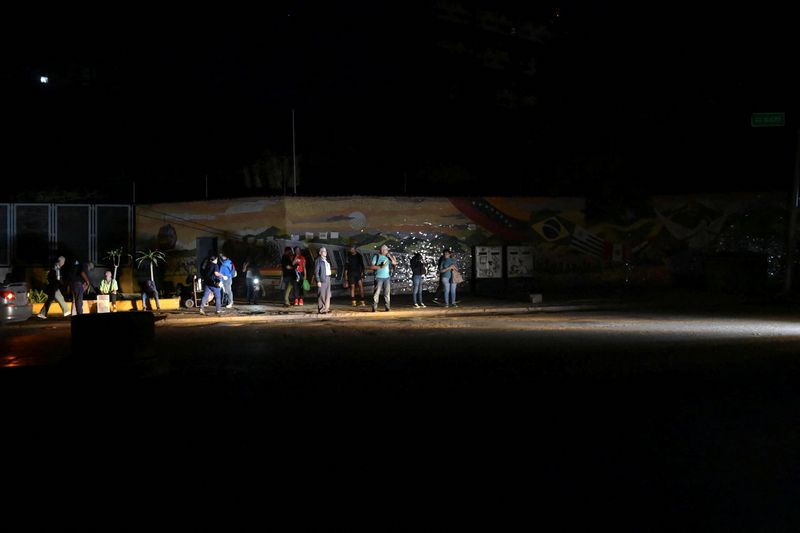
(381, 264)
(76, 281)
(61, 280)
(296, 277)
(219, 271)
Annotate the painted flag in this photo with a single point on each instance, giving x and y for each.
(587, 243)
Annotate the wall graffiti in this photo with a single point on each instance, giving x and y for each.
(658, 245)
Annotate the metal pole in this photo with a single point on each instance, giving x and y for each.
(793, 205)
(294, 158)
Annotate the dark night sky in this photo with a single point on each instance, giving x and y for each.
(648, 100)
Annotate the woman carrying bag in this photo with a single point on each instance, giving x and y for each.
(450, 277)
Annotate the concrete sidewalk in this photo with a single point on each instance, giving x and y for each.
(679, 301)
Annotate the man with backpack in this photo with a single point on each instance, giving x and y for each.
(212, 279)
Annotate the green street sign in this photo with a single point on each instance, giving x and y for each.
(767, 120)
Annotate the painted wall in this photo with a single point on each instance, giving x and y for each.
(661, 243)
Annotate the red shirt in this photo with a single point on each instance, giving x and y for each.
(300, 261)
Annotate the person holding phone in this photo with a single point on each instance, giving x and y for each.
(380, 264)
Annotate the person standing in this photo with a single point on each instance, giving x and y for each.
(252, 281)
(322, 273)
(380, 264)
(354, 274)
(80, 284)
(446, 270)
(299, 263)
(110, 287)
(227, 269)
(288, 277)
(212, 278)
(54, 284)
(417, 278)
(439, 287)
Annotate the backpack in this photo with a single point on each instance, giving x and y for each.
(208, 275)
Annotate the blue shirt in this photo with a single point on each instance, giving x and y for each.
(446, 263)
(382, 273)
(226, 269)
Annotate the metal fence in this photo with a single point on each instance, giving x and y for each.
(35, 234)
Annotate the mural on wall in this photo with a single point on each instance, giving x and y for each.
(662, 242)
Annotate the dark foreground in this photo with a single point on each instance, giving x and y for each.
(686, 420)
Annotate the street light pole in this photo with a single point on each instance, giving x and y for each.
(294, 157)
(793, 205)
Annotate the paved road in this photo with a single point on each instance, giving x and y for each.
(692, 410)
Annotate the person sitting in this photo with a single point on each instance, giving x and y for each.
(110, 287)
(149, 290)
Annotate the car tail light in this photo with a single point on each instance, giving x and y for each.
(9, 296)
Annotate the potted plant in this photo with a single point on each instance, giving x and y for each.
(37, 298)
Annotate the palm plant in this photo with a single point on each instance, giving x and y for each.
(37, 296)
(115, 256)
(152, 257)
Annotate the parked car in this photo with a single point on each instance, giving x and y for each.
(15, 306)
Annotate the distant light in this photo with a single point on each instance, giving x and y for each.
(44, 79)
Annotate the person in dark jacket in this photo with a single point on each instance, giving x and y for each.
(55, 282)
(322, 272)
(440, 287)
(80, 284)
(417, 277)
(212, 279)
(150, 292)
(288, 277)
